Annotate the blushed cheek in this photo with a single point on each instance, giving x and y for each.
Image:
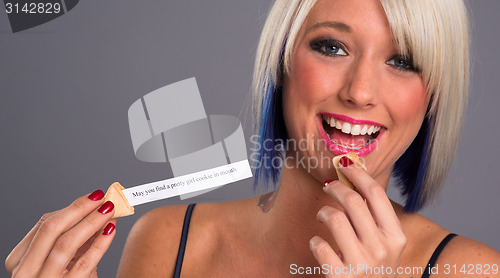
(300, 95)
(412, 108)
(311, 80)
(418, 100)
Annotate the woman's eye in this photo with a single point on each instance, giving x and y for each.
(402, 63)
(329, 47)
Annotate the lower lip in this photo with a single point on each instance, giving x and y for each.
(338, 150)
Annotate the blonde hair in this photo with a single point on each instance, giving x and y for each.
(434, 33)
(280, 30)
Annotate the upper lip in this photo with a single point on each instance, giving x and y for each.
(352, 120)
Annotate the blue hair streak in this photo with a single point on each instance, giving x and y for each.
(272, 134)
(411, 168)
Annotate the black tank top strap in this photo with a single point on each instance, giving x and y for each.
(182, 244)
(436, 254)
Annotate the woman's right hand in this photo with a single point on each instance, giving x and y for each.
(68, 242)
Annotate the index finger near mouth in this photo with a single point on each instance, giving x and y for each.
(52, 227)
(376, 196)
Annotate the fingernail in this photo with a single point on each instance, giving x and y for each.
(345, 161)
(106, 207)
(313, 242)
(109, 229)
(96, 195)
(325, 183)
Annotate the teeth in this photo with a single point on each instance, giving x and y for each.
(364, 129)
(351, 128)
(370, 130)
(338, 125)
(356, 130)
(346, 128)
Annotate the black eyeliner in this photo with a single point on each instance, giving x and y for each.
(408, 60)
(318, 44)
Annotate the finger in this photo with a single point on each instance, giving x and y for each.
(356, 209)
(87, 264)
(18, 252)
(68, 243)
(83, 249)
(378, 202)
(341, 229)
(52, 228)
(323, 252)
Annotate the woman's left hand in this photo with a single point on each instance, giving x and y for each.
(368, 234)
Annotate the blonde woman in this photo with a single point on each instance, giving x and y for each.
(384, 79)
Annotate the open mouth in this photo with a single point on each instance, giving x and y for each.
(349, 136)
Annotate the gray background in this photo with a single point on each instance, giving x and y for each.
(66, 87)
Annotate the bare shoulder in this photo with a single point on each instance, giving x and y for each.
(152, 244)
(424, 236)
(470, 256)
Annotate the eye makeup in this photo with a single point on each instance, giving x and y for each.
(328, 47)
(402, 63)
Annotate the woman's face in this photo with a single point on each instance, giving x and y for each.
(350, 90)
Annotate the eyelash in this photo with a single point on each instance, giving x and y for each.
(321, 44)
(407, 61)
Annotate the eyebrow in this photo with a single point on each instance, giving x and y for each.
(331, 24)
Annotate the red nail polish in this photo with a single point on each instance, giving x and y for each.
(109, 229)
(96, 195)
(106, 207)
(325, 183)
(345, 161)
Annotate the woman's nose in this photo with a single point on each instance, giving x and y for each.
(360, 88)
